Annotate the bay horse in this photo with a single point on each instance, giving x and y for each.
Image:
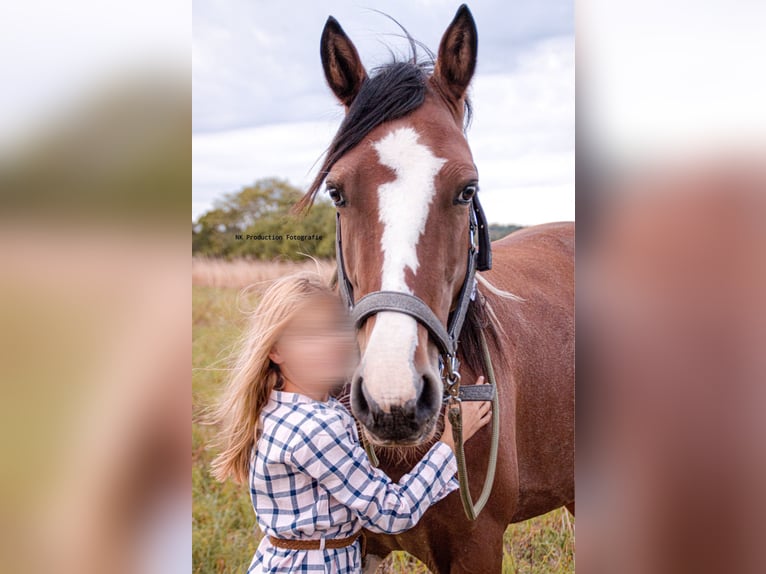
(401, 175)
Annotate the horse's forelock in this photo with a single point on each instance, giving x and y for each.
(392, 91)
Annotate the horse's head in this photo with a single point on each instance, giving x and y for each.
(402, 177)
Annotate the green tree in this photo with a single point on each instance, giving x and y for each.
(497, 231)
(262, 209)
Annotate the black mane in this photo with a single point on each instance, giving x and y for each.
(392, 91)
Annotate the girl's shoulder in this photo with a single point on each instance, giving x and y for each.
(342, 411)
(323, 417)
(303, 418)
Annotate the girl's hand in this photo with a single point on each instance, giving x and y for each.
(476, 414)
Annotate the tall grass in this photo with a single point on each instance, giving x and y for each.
(225, 534)
(239, 273)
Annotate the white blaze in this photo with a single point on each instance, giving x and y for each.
(403, 206)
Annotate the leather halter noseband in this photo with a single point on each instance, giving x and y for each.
(446, 339)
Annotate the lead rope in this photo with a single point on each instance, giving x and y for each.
(472, 509)
(368, 447)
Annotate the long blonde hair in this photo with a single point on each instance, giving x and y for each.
(254, 374)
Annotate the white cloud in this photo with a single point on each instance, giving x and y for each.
(59, 54)
(256, 63)
(657, 90)
(229, 160)
(522, 139)
(523, 136)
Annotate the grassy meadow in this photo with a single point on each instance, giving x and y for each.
(225, 534)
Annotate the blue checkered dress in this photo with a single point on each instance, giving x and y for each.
(311, 479)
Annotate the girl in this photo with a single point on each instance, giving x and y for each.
(311, 483)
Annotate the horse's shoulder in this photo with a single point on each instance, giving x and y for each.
(557, 235)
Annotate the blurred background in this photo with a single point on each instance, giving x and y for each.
(95, 168)
(95, 152)
(671, 276)
(262, 117)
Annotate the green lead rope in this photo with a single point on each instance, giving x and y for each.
(368, 447)
(472, 509)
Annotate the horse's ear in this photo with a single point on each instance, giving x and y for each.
(343, 68)
(456, 60)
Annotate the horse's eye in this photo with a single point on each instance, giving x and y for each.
(466, 195)
(336, 196)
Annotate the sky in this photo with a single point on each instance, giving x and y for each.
(61, 55)
(261, 106)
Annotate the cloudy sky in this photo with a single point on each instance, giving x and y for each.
(262, 108)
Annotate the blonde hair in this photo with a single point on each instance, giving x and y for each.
(254, 374)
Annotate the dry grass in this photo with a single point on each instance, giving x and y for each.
(239, 273)
(224, 529)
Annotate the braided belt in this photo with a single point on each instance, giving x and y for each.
(295, 544)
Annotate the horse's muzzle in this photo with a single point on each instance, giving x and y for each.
(408, 423)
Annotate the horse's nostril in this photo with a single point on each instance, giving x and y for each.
(362, 398)
(359, 403)
(428, 395)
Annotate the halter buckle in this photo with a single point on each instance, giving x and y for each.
(451, 377)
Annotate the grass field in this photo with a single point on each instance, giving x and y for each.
(225, 534)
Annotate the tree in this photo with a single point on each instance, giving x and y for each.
(230, 229)
(497, 231)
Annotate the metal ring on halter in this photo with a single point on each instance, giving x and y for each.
(446, 339)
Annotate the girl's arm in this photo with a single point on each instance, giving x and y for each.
(342, 467)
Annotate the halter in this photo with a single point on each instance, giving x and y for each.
(446, 339)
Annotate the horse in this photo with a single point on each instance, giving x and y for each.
(402, 178)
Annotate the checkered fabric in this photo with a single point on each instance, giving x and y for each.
(310, 478)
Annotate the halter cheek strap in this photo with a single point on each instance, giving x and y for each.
(484, 262)
(446, 339)
(344, 285)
